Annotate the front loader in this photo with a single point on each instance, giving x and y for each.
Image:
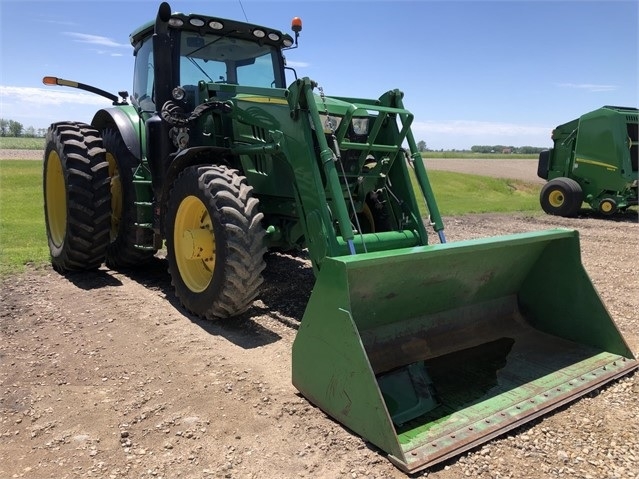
(425, 350)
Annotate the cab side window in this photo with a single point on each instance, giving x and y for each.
(143, 77)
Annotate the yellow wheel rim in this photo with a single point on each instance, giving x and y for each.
(368, 217)
(606, 206)
(116, 195)
(194, 244)
(56, 199)
(556, 198)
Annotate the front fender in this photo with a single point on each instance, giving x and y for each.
(127, 121)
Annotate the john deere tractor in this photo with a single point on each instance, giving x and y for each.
(594, 160)
(425, 350)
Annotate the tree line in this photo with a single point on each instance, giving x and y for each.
(15, 128)
(500, 149)
(506, 149)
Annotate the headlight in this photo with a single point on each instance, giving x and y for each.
(360, 126)
(178, 93)
(330, 123)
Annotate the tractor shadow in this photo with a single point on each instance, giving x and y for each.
(288, 280)
(91, 280)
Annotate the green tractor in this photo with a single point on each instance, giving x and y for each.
(425, 350)
(594, 160)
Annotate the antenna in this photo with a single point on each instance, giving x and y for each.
(243, 11)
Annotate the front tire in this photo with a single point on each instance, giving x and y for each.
(215, 241)
(561, 197)
(76, 197)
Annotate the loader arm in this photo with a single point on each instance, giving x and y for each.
(352, 165)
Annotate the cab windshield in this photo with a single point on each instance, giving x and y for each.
(224, 59)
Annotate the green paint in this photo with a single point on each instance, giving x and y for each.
(598, 150)
(470, 324)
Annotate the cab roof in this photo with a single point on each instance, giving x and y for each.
(220, 26)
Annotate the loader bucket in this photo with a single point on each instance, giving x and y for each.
(429, 351)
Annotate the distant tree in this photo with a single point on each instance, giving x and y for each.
(15, 128)
(481, 149)
(529, 150)
(421, 146)
(503, 149)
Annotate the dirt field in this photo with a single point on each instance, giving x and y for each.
(498, 168)
(103, 375)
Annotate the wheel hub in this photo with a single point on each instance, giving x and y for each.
(607, 207)
(197, 244)
(556, 198)
(194, 244)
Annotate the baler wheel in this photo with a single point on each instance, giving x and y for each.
(215, 241)
(122, 252)
(76, 196)
(608, 207)
(561, 197)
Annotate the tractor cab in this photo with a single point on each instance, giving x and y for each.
(202, 55)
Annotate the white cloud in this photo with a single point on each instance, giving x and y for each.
(478, 128)
(39, 107)
(44, 96)
(96, 40)
(588, 86)
(297, 64)
(66, 23)
(105, 52)
(462, 134)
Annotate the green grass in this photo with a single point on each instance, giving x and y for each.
(458, 194)
(20, 143)
(23, 238)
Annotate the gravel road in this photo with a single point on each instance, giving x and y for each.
(21, 154)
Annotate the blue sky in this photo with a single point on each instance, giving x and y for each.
(473, 72)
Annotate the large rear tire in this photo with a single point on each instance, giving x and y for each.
(77, 200)
(121, 252)
(215, 241)
(561, 197)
